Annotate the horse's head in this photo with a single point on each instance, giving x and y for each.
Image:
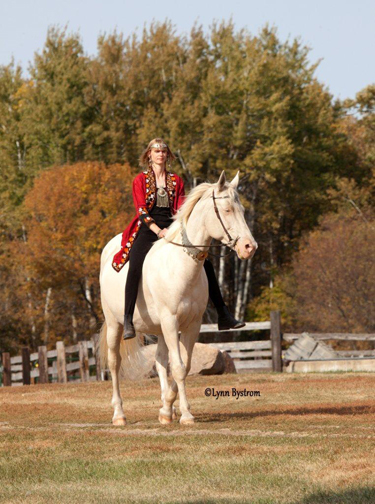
(226, 221)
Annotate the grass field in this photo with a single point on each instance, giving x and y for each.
(308, 439)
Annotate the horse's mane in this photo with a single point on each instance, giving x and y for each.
(201, 191)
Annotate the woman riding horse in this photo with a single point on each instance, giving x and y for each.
(157, 194)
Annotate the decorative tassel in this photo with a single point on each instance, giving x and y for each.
(162, 198)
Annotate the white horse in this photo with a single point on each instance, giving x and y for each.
(173, 291)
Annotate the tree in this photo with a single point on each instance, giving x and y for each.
(12, 147)
(73, 212)
(335, 277)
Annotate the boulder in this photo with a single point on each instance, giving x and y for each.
(206, 360)
(228, 363)
(148, 353)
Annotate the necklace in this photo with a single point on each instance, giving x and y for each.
(162, 197)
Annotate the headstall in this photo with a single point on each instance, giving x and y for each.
(235, 240)
(200, 255)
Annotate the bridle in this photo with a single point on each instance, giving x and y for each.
(231, 241)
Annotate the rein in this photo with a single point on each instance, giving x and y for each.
(203, 254)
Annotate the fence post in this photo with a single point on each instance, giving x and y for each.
(276, 341)
(7, 371)
(43, 364)
(61, 363)
(83, 361)
(96, 354)
(26, 366)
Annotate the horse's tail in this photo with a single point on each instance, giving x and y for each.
(133, 361)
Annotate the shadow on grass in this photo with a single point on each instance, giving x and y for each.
(364, 495)
(300, 411)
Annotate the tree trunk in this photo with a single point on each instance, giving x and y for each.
(246, 289)
(271, 264)
(222, 269)
(29, 296)
(46, 315)
(20, 156)
(74, 327)
(89, 299)
(239, 292)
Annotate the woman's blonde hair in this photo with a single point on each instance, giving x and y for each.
(144, 159)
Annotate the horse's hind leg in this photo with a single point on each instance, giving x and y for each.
(168, 412)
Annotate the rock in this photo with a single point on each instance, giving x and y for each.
(148, 353)
(229, 366)
(206, 360)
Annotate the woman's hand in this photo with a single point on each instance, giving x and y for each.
(162, 233)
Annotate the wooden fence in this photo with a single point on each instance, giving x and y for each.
(80, 362)
(263, 355)
(76, 362)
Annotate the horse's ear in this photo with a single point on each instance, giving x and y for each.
(221, 181)
(235, 181)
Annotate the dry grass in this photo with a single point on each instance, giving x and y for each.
(308, 439)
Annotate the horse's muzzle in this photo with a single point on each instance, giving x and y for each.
(246, 248)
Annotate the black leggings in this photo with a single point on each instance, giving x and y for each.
(140, 248)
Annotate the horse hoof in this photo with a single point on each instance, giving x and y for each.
(186, 421)
(119, 422)
(164, 420)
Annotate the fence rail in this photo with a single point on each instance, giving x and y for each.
(332, 336)
(61, 364)
(80, 362)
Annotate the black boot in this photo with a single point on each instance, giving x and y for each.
(226, 320)
(129, 331)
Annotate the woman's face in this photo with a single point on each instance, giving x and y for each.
(158, 156)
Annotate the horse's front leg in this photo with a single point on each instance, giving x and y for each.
(166, 413)
(187, 341)
(114, 334)
(170, 330)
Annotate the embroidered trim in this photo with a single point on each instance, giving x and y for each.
(126, 249)
(171, 187)
(151, 188)
(144, 216)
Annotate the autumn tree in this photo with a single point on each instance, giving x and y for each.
(335, 277)
(73, 212)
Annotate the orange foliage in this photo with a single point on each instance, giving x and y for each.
(74, 211)
(53, 286)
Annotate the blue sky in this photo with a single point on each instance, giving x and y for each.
(340, 32)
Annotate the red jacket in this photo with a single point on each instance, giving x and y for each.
(144, 197)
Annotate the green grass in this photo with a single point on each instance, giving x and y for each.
(308, 439)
